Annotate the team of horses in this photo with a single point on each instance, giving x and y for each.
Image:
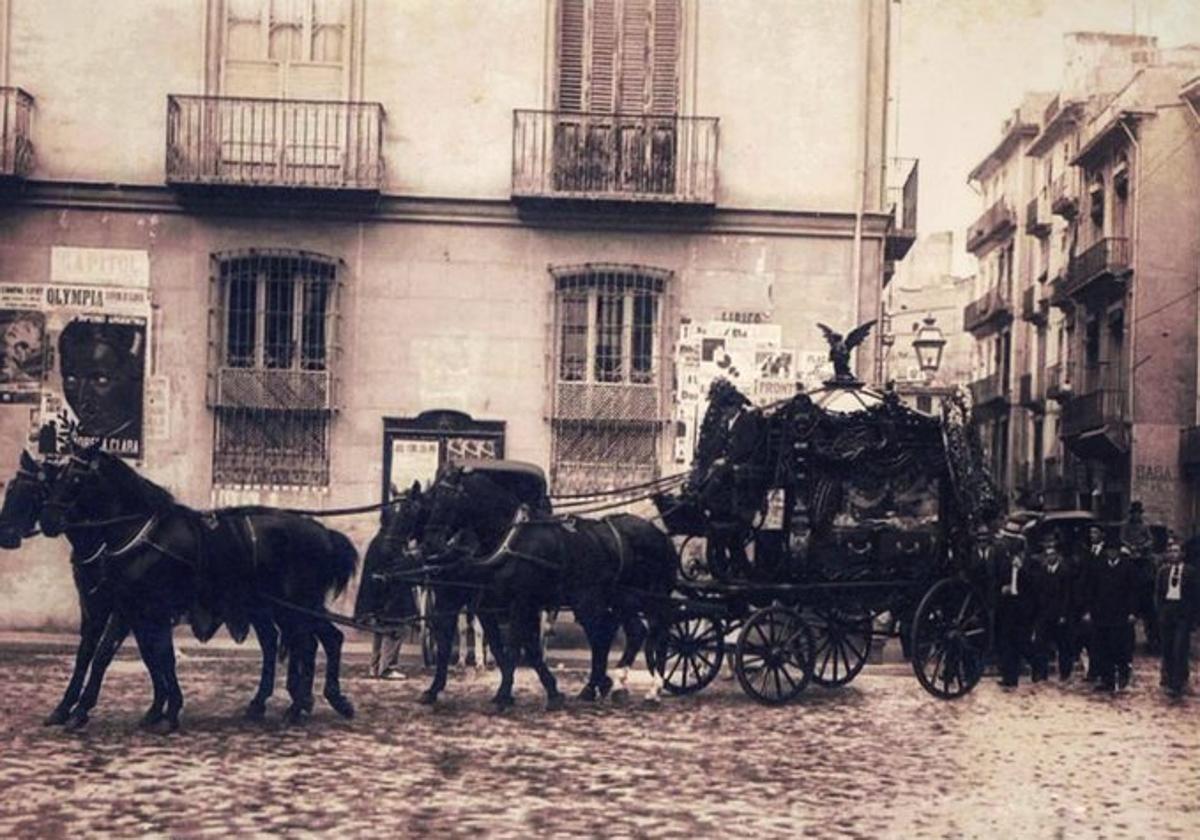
(142, 563)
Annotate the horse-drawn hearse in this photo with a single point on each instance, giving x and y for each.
(826, 519)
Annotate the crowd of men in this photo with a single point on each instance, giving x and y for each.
(1060, 605)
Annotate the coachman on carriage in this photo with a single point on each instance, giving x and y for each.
(874, 506)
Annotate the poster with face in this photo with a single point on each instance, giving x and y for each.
(23, 355)
(84, 352)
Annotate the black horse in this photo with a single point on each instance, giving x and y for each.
(162, 562)
(483, 545)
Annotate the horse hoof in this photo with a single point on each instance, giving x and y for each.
(295, 715)
(341, 704)
(588, 694)
(555, 703)
(57, 718)
(427, 698)
(605, 686)
(76, 721)
(503, 702)
(621, 695)
(257, 710)
(152, 719)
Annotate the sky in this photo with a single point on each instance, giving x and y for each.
(963, 66)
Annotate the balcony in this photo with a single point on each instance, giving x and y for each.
(1058, 382)
(1094, 421)
(1033, 306)
(996, 221)
(16, 138)
(902, 203)
(221, 141)
(597, 157)
(989, 390)
(1058, 297)
(1064, 195)
(990, 308)
(1101, 269)
(1037, 220)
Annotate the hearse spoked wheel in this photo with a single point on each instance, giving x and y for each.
(694, 651)
(774, 656)
(842, 636)
(951, 635)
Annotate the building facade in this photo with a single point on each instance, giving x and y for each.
(328, 244)
(1107, 292)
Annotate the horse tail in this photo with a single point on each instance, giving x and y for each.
(344, 559)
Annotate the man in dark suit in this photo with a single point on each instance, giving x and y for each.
(1055, 626)
(1177, 601)
(1087, 557)
(1112, 611)
(1015, 597)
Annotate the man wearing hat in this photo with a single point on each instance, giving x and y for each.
(1112, 606)
(1177, 600)
(1088, 557)
(1055, 626)
(1015, 600)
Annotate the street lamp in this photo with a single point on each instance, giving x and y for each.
(929, 343)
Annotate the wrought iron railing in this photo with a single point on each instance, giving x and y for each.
(996, 219)
(991, 305)
(1109, 256)
(988, 389)
(614, 157)
(240, 141)
(16, 133)
(1100, 399)
(1058, 381)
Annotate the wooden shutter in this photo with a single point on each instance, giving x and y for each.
(603, 57)
(570, 55)
(664, 86)
(635, 54)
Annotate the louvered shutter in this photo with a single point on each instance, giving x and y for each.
(635, 49)
(570, 55)
(664, 86)
(603, 57)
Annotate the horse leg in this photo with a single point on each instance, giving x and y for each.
(599, 627)
(300, 673)
(503, 655)
(158, 653)
(115, 631)
(526, 621)
(268, 640)
(331, 640)
(444, 620)
(91, 628)
(635, 639)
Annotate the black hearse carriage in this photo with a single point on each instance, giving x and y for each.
(829, 518)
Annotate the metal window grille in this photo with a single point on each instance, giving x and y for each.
(607, 398)
(271, 360)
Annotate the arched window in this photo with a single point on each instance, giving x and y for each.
(607, 382)
(272, 365)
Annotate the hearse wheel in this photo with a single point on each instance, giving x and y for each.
(951, 635)
(694, 651)
(843, 643)
(774, 656)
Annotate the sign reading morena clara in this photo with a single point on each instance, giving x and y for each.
(100, 266)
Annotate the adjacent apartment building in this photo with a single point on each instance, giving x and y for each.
(336, 242)
(1104, 309)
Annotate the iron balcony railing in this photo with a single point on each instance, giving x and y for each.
(992, 305)
(1064, 195)
(996, 220)
(1106, 258)
(989, 389)
(902, 206)
(16, 136)
(1058, 382)
(247, 142)
(614, 157)
(1100, 400)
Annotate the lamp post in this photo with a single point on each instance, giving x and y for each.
(929, 344)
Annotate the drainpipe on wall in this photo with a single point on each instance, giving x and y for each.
(1196, 405)
(856, 257)
(1137, 258)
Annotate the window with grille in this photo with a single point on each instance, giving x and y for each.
(271, 367)
(607, 388)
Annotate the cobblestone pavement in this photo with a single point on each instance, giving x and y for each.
(877, 759)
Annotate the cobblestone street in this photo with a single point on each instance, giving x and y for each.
(877, 759)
